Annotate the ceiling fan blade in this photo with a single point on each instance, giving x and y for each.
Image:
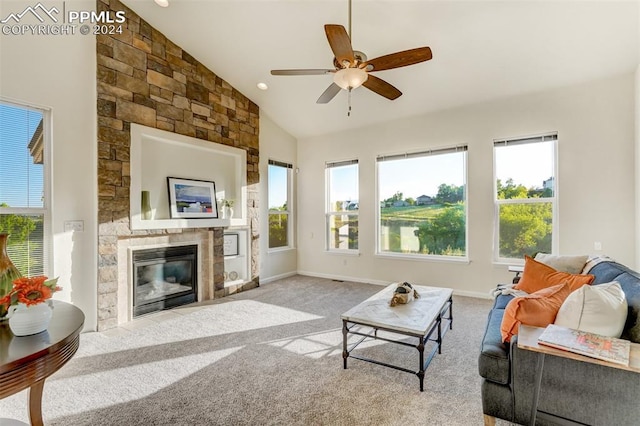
(329, 94)
(340, 43)
(302, 72)
(399, 59)
(381, 87)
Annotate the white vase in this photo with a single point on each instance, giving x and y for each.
(27, 320)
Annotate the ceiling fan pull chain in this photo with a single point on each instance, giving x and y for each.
(349, 97)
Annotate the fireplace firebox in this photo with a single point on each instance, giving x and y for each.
(163, 278)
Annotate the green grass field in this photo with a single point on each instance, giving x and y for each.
(410, 213)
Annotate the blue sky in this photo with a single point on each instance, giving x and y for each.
(21, 181)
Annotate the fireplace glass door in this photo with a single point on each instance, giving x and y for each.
(164, 278)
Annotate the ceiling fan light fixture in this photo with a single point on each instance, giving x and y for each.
(162, 3)
(350, 78)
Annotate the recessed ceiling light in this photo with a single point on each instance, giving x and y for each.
(162, 3)
(262, 86)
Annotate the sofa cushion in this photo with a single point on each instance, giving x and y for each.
(537, 276)
(630, 282)
(493, 362)
(538, 309)
(570, 264)
(600, 309)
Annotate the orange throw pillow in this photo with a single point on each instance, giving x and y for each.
(537, 276)
(538, 309)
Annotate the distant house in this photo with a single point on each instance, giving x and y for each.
(400, 203)
(548, 184)
(424, 200)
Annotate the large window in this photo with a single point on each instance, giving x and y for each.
(423, 202)
(23, 183)
(525, 196)
(342, 205)
(279, 204)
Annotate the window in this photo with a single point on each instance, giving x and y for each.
(525, 196)
(423, 203)
(279, 178)
(23, 183)
(342, 205)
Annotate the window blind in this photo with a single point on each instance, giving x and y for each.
(341, 163)
(438, 151)
(22, 186)
(280, 164)
(529, 139)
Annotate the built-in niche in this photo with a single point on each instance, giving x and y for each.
(158, 154)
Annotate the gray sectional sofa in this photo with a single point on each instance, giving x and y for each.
(587, 393)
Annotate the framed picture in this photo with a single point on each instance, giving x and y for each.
(231, 244)
(190, 198)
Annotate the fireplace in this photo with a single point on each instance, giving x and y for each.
(164, 277)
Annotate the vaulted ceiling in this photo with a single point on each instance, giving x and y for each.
(482, 50)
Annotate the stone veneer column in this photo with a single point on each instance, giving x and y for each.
(144, 78)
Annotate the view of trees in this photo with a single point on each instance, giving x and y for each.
(278, 226)
(439, 226)
(525, 228)
(24, 245)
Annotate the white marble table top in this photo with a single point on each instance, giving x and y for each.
(415, 317)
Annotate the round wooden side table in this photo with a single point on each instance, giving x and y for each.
(25, 362)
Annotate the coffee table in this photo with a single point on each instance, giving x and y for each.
(421, 318)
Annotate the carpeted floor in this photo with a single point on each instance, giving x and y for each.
(271, 355)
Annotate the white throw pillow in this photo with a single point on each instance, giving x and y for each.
(570, 264)
(600, 309)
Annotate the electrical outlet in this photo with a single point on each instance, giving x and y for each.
(597, 246)
(74, 226)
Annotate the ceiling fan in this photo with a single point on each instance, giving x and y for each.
(353, 69)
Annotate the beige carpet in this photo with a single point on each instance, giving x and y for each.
(271, 355)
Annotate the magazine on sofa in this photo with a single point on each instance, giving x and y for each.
(585, 343)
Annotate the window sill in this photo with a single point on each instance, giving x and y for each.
(423, 258)
(343, 252)
(280, 250)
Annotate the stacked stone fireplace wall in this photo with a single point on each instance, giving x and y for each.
(145, 78)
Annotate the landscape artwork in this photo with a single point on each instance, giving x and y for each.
(189, 198)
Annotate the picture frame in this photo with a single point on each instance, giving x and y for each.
(192, 198)
(231, 244)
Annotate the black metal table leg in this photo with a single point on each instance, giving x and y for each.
(451, 313)
(420, 372)
(439, 333)
(345, 353)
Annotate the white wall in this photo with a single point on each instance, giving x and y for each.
(275, 144)
(595, 124)
(59, 72)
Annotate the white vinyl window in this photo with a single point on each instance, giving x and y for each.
(279, 198)
(525, 194)
(24, 179)
(342, 205)
(422, 200)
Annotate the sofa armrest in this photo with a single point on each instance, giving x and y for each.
(584, 392)
(518, 269)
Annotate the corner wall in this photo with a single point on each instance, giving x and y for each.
(276, 144)
(595, 124)
(58, 72)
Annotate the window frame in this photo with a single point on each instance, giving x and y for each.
(330, 213)
(288, 212)
(463, 148)
(47, 177)
(544, 137)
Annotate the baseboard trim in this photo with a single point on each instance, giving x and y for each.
(277, 277)
(478, 295)
(465, 293)
(343, 278)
